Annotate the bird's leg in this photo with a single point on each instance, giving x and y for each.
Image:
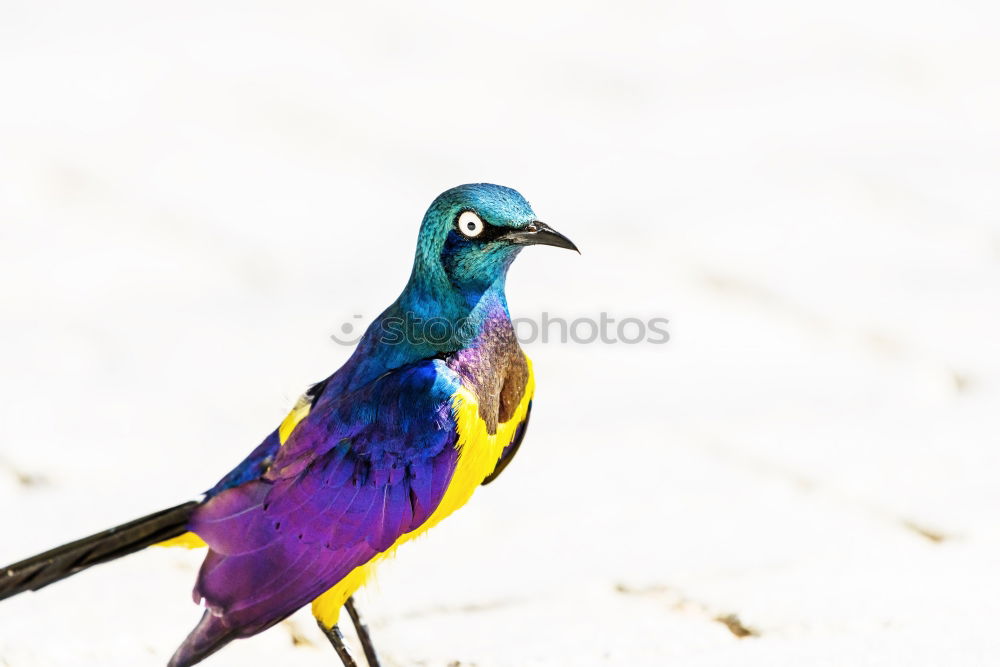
(366, 641)
(337, 639)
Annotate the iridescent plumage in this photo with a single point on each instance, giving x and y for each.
(391, 443)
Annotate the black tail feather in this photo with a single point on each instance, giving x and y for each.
(61, 562)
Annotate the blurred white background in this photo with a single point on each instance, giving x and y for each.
(194, 196)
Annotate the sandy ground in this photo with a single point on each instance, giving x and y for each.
(193, 197)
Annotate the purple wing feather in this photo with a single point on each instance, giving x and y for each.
(356, 474)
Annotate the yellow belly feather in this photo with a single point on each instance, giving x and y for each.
(478, 453)
(187, 541)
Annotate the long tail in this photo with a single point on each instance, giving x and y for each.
(61, 562)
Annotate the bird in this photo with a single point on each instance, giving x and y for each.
(433, 403)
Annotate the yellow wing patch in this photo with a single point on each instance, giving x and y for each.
(478, 453)
(298, 413)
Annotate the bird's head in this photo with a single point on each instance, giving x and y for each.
(472, 233)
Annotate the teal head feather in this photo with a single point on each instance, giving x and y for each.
(463, 249)
(468, 239)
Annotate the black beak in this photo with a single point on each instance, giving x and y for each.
(538, 233)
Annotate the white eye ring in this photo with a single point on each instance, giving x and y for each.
(470, 225)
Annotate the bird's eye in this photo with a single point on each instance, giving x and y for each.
(470, 225)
